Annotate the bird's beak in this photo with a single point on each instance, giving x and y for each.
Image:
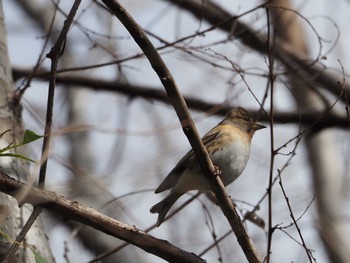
(258, 126)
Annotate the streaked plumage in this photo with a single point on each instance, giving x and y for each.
(228, 145)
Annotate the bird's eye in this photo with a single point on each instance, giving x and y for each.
(246, 118)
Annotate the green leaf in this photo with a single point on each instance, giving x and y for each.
(30, 136)
(38, 258)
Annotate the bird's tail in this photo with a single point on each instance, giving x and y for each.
(163, 206)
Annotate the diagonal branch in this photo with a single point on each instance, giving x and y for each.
(72, 210)
(180, 107)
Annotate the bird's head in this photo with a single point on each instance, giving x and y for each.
(241, 118)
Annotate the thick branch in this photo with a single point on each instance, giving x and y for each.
(72, 210)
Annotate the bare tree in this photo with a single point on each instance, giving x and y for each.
(120, 80)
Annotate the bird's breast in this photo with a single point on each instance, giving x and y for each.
(231, 158)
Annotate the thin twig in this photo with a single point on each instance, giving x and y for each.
(308, 253)
(22, 234)
(55, 54)
(214, 14)
(270, 47)
(20, 91)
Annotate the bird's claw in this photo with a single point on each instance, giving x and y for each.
(217, 170)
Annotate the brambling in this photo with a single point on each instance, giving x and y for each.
(228, 145)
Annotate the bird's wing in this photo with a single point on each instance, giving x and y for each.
(173, 177)
(210, 136)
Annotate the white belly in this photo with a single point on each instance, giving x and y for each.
(230, 161)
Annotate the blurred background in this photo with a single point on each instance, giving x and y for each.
(115, 139)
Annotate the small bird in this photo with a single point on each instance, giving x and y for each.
(228, 145)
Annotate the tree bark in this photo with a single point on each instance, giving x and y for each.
(11, 128)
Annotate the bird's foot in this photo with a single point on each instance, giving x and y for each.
(217, 170)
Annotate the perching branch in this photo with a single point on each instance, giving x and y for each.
(180, 107)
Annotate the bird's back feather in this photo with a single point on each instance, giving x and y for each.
(173, 177)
